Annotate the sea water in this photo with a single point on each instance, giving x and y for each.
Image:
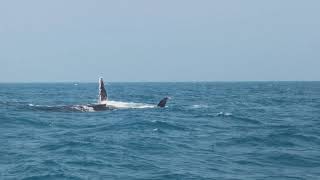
(208, 130)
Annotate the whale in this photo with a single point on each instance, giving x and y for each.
(103, 104)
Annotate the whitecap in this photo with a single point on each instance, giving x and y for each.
(129, 105)
(224, 114)
(198, 106)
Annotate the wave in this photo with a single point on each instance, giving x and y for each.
(239, 118)
(224, 114)
(129, 105)
(199, 106)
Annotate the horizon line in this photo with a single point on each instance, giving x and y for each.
(201, 81)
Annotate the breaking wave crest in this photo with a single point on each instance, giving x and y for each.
(129, 105)
(199, 106)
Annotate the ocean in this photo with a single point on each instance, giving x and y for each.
(208, 130)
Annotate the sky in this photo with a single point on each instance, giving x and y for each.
(159, 40)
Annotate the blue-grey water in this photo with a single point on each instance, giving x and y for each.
(248, 130)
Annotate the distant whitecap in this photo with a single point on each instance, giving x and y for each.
(224, 114)
(198, 106)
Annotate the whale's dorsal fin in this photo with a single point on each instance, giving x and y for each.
(102, 91)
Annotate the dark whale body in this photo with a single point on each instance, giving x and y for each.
(99, 107)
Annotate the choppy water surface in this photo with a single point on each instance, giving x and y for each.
(264, 130)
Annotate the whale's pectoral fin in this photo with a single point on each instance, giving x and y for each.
(102, 91)
(163, 102)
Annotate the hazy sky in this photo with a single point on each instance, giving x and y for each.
(159, 40)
